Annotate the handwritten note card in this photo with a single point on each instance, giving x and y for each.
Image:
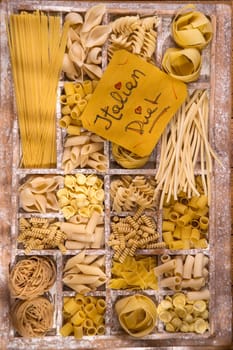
(133, 103)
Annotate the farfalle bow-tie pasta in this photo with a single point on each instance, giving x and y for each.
(137, 314)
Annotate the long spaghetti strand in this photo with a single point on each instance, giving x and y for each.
(37, 46)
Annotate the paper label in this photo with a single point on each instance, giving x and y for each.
(132, 103)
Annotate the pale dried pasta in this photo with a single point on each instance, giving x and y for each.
(81, 194)
(81, 151)
(183, 144)
(180, 315)
(32, 277)
(86, 37)
(134, 34)
(137, 314)
(133, 273)
(83, 315)
(84, 233)
(84, 273)
(32, 318)
(128, 192)
(131, 233)
(191, 271)
(40, 233)
(38, 193)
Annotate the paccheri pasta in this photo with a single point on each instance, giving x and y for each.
(183, 272)
(83, 316)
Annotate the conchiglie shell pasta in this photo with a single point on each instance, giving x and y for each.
(93, 17)
(69, 68)
(97, 36)
(77, 54)
(74, 18)
(94, 55)
(92, 71)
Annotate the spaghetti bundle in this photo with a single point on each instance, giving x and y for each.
(37, 49)
(32, 318)
(32, 277)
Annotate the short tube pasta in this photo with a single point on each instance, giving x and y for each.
(160, 269)
(188, 267)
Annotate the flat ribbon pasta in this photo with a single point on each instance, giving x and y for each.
(137, 314)
(126, 158)
(191, 28)
(182, 64)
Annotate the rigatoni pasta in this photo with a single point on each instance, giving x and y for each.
(183, 272)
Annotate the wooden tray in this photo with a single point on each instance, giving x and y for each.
(215, 77)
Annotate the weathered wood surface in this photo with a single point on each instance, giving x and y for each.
(224, 263)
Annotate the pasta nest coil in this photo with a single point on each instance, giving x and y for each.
(182, 64)
(191, 28)
(126, 158)
(137, 314)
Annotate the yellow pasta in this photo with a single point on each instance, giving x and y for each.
(137, 314)
(178, 315)
(35, 88)
(133, 273)
(85, 317)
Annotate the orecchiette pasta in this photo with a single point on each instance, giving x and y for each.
(179, 315)
(81, 194)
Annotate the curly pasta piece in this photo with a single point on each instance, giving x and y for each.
(32, 318)
(134, 34)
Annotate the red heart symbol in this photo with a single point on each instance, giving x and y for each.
(138, 110)
(118, 85)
